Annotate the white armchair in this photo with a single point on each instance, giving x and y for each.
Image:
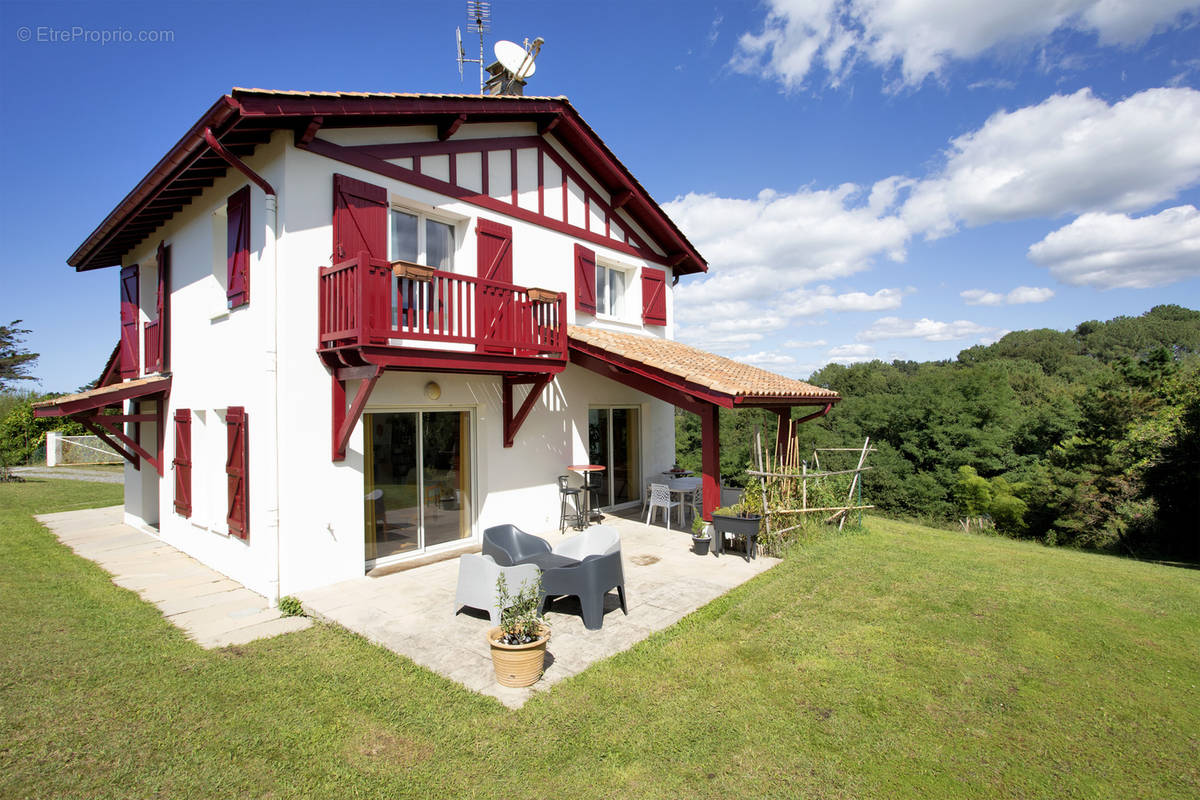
(599, 540)
(477, 576)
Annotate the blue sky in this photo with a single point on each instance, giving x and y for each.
(867, 179)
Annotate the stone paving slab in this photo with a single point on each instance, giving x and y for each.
(664, 581)
(212, 609)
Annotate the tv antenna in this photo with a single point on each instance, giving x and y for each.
(514, 63)
(479, 17)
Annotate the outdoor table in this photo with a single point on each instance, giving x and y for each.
(684, 486)
(584, 470)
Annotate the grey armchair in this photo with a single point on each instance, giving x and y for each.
(477, 576)
(589, 580)
(510, 545)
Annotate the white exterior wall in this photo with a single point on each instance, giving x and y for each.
(221, 359)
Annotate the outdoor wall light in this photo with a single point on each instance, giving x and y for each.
(432, 390)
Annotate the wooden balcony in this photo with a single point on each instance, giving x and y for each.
(400, 316)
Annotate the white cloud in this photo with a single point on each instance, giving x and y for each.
(927, 329)
(1069, 154)
(779, 241)
(806, 302)
(851, 353)
(1117, 251)
(920, 37)
(1021, 294)
(799, 344)
(992, 338)
(767, 359)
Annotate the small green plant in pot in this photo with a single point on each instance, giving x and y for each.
(701, 536)
(519, 642)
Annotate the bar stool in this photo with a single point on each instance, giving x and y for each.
(592, 483)
(568, 499)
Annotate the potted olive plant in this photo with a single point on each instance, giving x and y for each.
(519, 642)
(701, 536)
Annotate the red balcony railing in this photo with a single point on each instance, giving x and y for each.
(363, 303)
(152, 347)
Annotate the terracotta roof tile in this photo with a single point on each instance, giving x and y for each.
(715, 372)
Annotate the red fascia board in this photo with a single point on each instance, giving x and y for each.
(409, 359)
(100, 400)
(177, 159)
(111, 372)
(597, 156)
(787, 401)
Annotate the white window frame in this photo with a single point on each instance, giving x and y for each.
(422, 215)
(604, 267)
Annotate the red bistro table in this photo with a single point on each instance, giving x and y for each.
(585, 470)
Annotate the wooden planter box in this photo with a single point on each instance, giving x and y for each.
(542, 295)
(415, 272)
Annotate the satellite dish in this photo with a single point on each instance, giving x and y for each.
(515, 59)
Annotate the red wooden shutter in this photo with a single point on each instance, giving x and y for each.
(654, 297)
(237, 470)
(183, 462)
(237, 251)
(359, 219)
(494, 260)
(585, 279)
(164, 307)
(129, 322)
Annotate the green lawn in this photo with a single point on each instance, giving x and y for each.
(902, 662)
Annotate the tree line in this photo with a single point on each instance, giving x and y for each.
(1087, 437)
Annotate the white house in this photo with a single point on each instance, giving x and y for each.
(361, 328)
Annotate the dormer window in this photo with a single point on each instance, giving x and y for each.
(610, 291)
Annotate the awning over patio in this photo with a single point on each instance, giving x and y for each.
(88, 408)
(696, 381)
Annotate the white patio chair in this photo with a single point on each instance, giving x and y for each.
(477, 576)
(662, 477)
(660, 497)
(599, 540)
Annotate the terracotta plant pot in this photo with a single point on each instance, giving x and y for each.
(518, 665)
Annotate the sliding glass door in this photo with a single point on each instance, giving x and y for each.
(614, 441)
(418, 481)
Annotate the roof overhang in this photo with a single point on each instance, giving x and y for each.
(245, 118)
(670, 382)
(95, 399)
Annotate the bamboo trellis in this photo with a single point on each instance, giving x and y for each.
(786, 464)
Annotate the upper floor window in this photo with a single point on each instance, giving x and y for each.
(610, 290)
(420, 239)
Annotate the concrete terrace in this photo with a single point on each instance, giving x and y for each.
(213, 610)
(664, 581)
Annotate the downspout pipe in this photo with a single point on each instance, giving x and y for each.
(270, 256)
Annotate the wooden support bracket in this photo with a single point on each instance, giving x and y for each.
(107, 428)
(513, 422)
(344, 420)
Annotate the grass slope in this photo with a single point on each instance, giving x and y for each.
(905, 662)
